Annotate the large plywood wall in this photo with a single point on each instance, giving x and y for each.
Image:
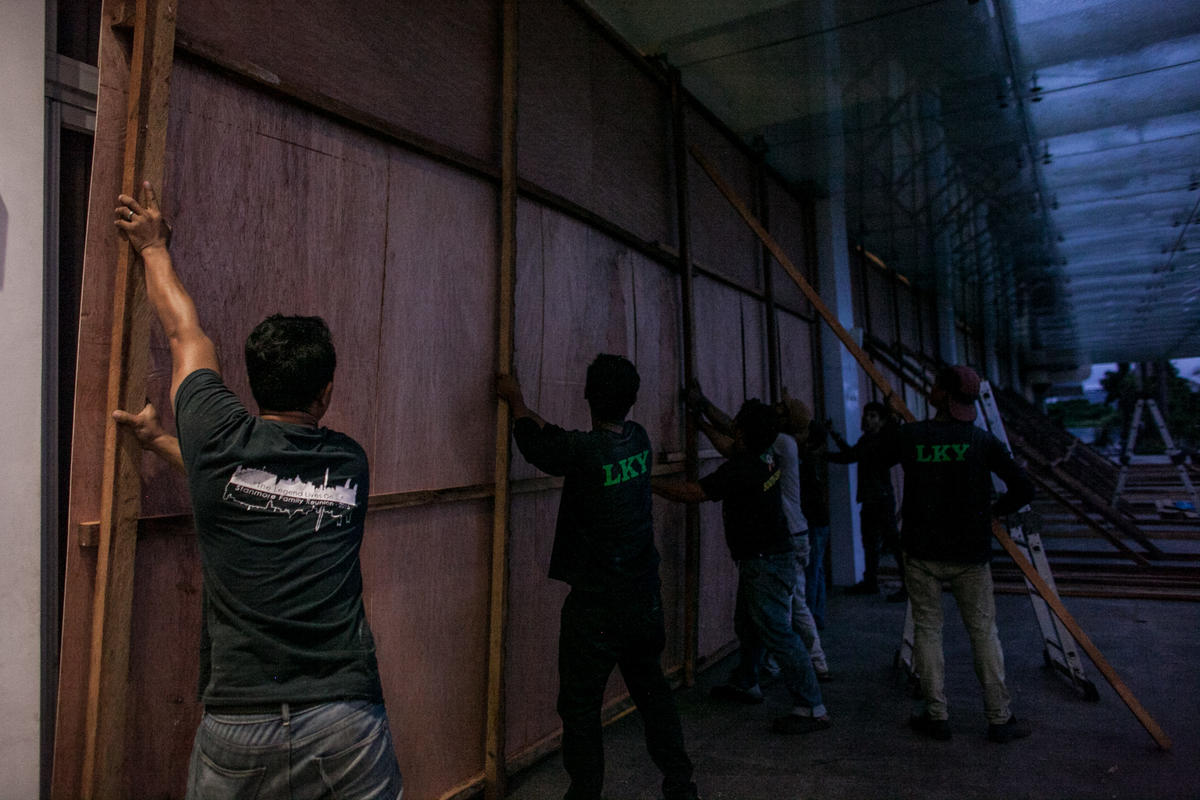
(346, 165)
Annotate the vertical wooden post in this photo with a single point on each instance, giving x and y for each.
(691, 579)
(774, 378)
(495, 758)
(108, 672)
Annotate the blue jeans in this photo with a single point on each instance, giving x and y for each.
(339, 750)
(814, 573)
(763, 622)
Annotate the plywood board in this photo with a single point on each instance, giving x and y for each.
(721, 242)
(592, 124)
(426, 67)
(278, 211)
(425, 575)
(787, 225)
(796, 367)
(436, 350)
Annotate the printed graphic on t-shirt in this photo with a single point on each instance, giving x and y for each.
(259, 490)
(626, 469)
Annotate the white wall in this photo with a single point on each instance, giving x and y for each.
(22, 142)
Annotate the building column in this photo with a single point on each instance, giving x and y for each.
(839, 369)
(936, 177)
(22, 219)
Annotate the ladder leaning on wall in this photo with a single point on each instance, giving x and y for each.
(1059, 648)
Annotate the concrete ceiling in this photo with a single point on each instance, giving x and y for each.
(1055, 144)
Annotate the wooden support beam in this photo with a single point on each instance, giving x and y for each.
(1084, 495)
(691, 557)
(108, 670)
(1084, 517)
(1031, 574)
(495, 757)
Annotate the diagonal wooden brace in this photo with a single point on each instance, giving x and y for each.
(897, 403)
(108, 668)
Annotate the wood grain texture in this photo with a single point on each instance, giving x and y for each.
(592, 125)
(797, 370)
(278, 211)
(436, 349)
(163, 712)
(718, 579)
(531, 684)
(426, 577)
(87, 445)
(720, 241)
(424, 66)
(787, 226)
(112, 590)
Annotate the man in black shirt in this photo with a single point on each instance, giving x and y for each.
(947, 510)
(877, 517)
(756, 532)
(604, 549)
(293, 706)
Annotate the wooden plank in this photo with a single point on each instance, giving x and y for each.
(495, 743)
(1060, 611)
(897, 403)
(444, 54)
(891, 398)
(108, 672)
(1086, 496)
(691, 569)
(88, 432)
(1062, 500)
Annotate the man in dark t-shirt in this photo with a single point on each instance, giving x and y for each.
(604, 549)
(293, 706)
(756, 532)
(947, 534)
(877, 516)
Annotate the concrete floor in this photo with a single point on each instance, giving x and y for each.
(1079, 750)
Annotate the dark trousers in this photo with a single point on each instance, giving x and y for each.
(599, 632)
(878, 523)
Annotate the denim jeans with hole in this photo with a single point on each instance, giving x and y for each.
(340, 750)
(763, 622)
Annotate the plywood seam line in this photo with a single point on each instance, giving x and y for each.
(495, 755)
(145, 143)
(898, 405)
(691, 579)
(383, 282)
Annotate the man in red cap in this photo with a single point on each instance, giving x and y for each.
(947, 511)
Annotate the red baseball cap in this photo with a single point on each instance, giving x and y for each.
(960, 385)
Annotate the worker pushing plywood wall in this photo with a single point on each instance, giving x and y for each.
(321, 162)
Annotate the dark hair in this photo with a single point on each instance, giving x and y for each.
(289, 361)
(878, 407)
(884, 413)
(612, 386)
(759, 425)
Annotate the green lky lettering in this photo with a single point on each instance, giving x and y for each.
(941, 452)
(626, 469)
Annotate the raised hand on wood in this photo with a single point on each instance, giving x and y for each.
(151, 435)
(142, 223)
